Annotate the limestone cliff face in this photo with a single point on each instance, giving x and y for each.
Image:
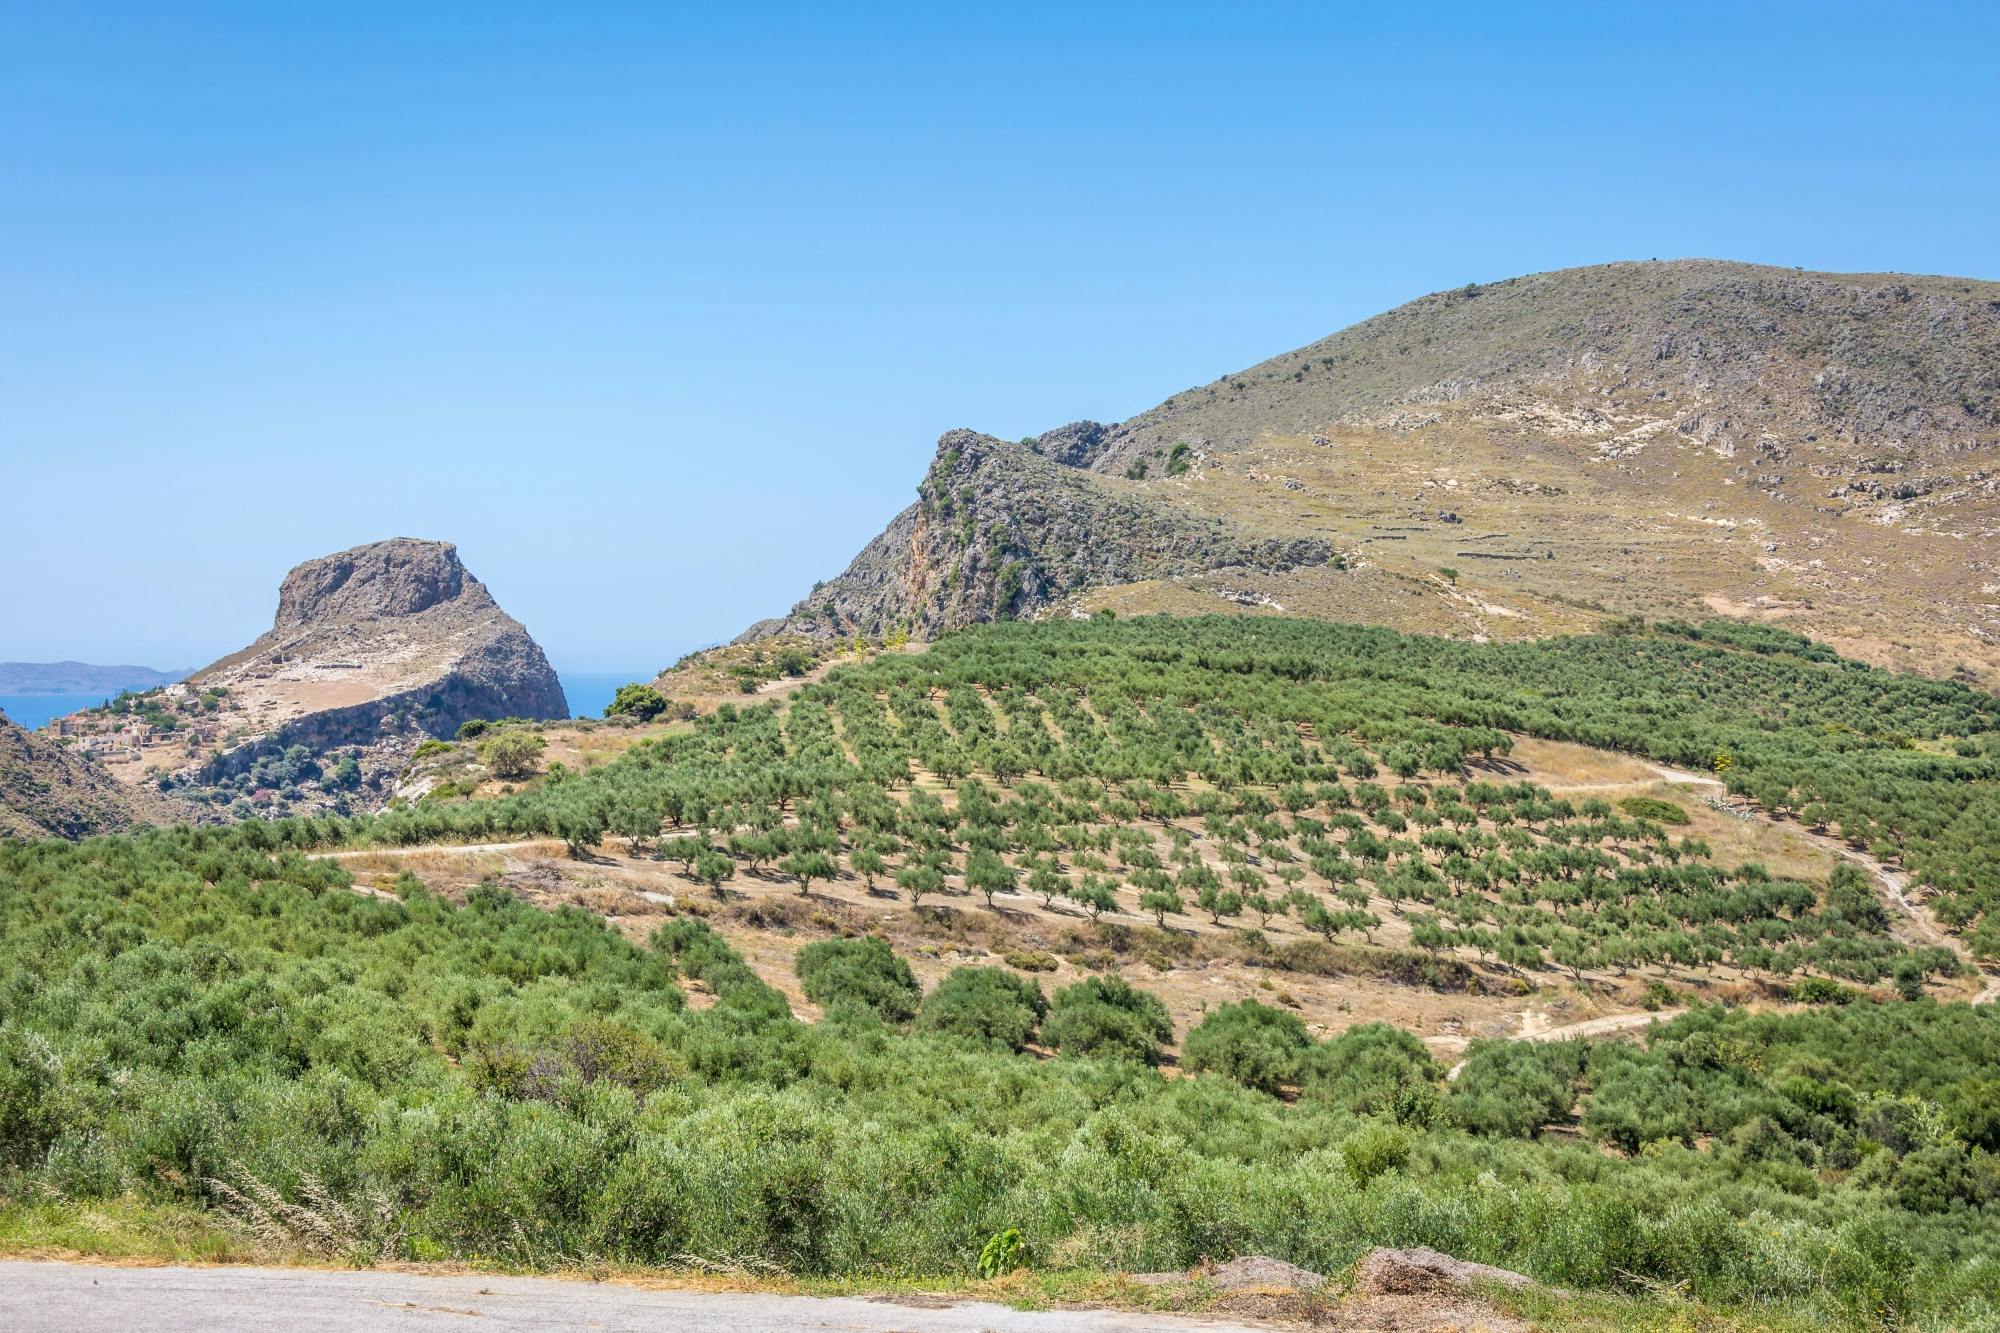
(386, 579)
(47, 790)
(390, 638)
(1001, 530)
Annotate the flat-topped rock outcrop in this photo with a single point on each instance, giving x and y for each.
(395, 637)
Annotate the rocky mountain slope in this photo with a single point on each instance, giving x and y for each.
(1001, 529)
(395, 636)
(47, 790)
(1664, 439)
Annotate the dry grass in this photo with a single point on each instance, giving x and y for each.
(320, 1224)
(1553, 535)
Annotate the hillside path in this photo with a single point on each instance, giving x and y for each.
(1589, 1027)
(1893, 885)
(427, 848)
(47, 1297)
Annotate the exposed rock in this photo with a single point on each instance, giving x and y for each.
(1075, 445)
(1421, 1272)
(392, 578)
(48, 790)
(395, 638)
(1000, 532)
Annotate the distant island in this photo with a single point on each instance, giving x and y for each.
(79, 678)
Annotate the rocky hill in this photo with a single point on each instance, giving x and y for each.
(393, 637)
(48, 790)
(1687, 438)
(1003, 529)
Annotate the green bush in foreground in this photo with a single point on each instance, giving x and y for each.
(501, 1083)
(1254, 1044)
(987, 1004)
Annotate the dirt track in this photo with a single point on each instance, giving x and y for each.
(1894, 883)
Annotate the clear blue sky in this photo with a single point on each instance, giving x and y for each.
(657, 311)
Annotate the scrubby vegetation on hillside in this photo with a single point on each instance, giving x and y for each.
(208, 1017)
(192, 1020)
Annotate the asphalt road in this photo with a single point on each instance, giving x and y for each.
(37, 1297)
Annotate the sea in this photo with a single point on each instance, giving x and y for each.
(33, 710)
(589, 692)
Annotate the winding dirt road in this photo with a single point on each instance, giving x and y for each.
(1894, 884)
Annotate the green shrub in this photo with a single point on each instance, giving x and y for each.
(1033, 960)
(1653, 808)
(512, 754)
(1374, 1069)
(1822, 990)
(1003, 1252)
(987, 1004)
(1108, 1017)
(861, 974)
(701, 954)
(1258, 1046)
(1374, 1149)
(1511, 1089)
(643, 702)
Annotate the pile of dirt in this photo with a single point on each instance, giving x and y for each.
(1254, 1272)
(1426, 1272)
(1394, 1291)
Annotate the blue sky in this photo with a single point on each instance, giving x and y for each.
(657, 311)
